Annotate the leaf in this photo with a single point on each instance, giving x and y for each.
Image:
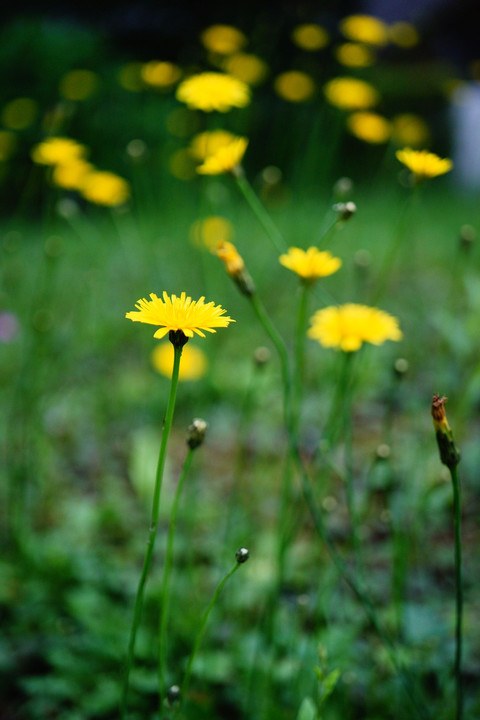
(307, 710)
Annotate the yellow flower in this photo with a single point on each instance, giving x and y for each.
(223, 39)
(351, 94)
(424, 164)
(365, 29)
(193, 366)
(160, 74)
(179, 313)
(213, 91)
(249, 69)
(294, 86)
(347, 327)
(18, 114)
(105, 188)
(57, 150)
(228, 254)
(310, 37)
(78, 84)
(403, 34)
(354, 55)
(225, 159)
(209, 231)
(310, 264)
(409, 129)
(208, 143)
(71, 175)
(370, 127)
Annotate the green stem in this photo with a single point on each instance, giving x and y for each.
(165, 592)
(152, 531)
(459, 592)
(299, 366)
(259, 211)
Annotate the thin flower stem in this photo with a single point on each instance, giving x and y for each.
(459, 592)
(259, 211)
(165, 592)
(152, 531)
(299, 366)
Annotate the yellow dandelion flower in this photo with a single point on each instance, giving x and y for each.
(56, 150)
(78, 85)
(105, 188)
(208, 143)
(370, 127)
(225, 159)
(354, 55)
(209, 231)
(347, 327)
(213, 91)
(159, 74)
(294, 86)
(248, 68)
(223, 39)
(350, 93)
(403, 34)
(18, 114)
(424, 164)
(410, 130)
(193, 366)
(310, 37)
(365, 29)
(71, 175)
(179, 313)
(310, 264)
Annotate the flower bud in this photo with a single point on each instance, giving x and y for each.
(196, 433)
(345, 210)
(242, 555)
(173, 694)
(261, 356)
(449, 454)
(234, 265)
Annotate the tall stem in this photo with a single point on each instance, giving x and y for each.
(459, 592)
(259, 211)
(152, 531)
(299, 367)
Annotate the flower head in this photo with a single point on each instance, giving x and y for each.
(246, 67)
(310, 37)
(449, 454)
(223, 39)
(369, 126)
(235, 267)
(194, 362)
(424, 164)
(225, 159)
(105, 188)
(365, 29)
(71, 175)
(56, 150)
(294, 86)
(179, 313)
(347, 327)
(213, 91)
(160, 74)
(350, 93)
(310, 264)
(354, 55)
(409, 129)
(207, 143)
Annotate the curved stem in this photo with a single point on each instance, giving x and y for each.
(152, 531)
(261, 214)
(459, 593)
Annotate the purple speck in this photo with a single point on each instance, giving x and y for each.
(9, 327)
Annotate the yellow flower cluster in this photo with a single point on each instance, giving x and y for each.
(347, 327)
(310, 264)
(211, 91)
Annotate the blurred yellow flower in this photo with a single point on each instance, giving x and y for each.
(159, 74)
(78, 84)
(347, 327)
(213, 91)
(105, 188)
(248, 68)
(193, 366)
(424, 164)
(130, 77)
(56, 150)
(229, 255)
(18, 114)
(223, 39)
(179, 313)
(370, 127)
(403, 34)
(182, 165)
(294, 86)
(209, 231)
(226, 159)
(8, 143)
(207, 143)
(310, 264)
(410, 130)
(71, 175)
(350, 93)
(365, 29)
(310, 37)
(354, 55)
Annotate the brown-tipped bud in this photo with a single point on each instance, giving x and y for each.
(242, 555)
(196, 433)
(177, 338)
(345, 210)
(234, 265)
(449, 454)
(261, 356)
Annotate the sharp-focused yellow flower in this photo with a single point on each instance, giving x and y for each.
(351, 94)
(209, 231)
(248, 68)
(213, 91)
(310, 37)
(370, 127)
(105, 188)
(310, 264)
(18, 114)
(365, 29)
(410, 130)
(56, 150)
(159, 74)
(223, 39)
(354, 55)
(226, 159)
(294, 86)
(78, 85)
(347, 327)
(207, 143)
(229, 255)
(71, 175)
(179, 313)
(403, 34)
(424, 164)
(193, 366)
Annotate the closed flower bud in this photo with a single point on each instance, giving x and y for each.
(242, 555)
(345, 210)
(449, 454)
(196, 433)
(234, 265)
